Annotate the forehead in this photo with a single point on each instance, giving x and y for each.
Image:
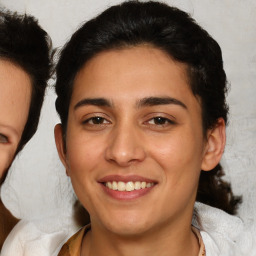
(15, 86)
(140, 67)
(139, 71)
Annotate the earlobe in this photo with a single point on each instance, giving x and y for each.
(60, 145)
(216, 140)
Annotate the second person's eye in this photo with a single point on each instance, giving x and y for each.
(3, 138)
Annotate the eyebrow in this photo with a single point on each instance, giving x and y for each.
(148, 101)
(101, 102)
(154, 101)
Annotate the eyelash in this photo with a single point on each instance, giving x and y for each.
(98, 119)
(162, 121)
(155, 121)
(3, 138)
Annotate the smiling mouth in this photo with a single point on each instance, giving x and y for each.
(128, 186)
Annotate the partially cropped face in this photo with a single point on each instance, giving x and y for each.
(15, 87)
(134, 141)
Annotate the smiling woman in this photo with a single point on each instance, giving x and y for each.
(140, 138)
(141, 97)
(25, 66)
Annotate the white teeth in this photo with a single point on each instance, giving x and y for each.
(121, 186)
(128, 186)
(148, 185)
(109, 185)
(114, 185)
(137, 185)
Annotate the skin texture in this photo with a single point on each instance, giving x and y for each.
(135, 137)
(15, 87)
(15, 97)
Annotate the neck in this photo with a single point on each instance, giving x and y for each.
(7, 222)
(163, 241)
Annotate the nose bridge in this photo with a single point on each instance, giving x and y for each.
(125, 145)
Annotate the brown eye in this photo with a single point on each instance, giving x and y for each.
(3, 138)
(96, 120)
(160, 121)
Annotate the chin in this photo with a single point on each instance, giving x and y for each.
(128, 225)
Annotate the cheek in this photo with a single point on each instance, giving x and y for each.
(177, 150)
(179, 155)
(83, 161)
(83, 155)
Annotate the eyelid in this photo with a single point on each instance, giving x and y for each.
(95, 114)
(162, 115)
(169, 120)
(164, 118)
(91, 118)
(3, 138)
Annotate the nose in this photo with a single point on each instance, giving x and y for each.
(125, 146)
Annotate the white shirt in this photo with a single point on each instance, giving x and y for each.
(222, 234)
(28, 239)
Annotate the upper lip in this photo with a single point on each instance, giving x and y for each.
(125, 178)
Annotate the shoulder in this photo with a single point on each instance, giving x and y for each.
(28, 239)
(222, 234)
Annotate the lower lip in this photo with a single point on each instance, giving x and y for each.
(126, 195)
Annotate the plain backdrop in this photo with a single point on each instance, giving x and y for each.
(37, 186)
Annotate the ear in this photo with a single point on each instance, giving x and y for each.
(216, 140)
(60, 145)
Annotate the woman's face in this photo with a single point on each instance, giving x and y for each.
(15, 87)
(134, 141)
